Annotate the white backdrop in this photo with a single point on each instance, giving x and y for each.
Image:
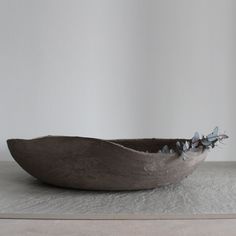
(117, 69)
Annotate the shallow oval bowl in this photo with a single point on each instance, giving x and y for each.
(95, 164)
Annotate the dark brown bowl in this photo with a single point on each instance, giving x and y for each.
(95, 164)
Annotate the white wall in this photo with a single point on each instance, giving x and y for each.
(117, 69)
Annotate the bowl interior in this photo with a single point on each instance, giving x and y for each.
(147, 145)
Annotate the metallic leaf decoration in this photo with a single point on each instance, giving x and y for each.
(186, 146)
(194, 144)
(165, 149)
(195, 140)
(213, 136)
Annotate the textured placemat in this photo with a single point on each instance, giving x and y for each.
(210, 192)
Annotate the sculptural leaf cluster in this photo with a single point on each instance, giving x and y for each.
(196, 143)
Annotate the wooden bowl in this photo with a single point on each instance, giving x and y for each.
(95, 164)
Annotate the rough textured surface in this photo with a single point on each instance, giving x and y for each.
(210, 190)
(95, 164)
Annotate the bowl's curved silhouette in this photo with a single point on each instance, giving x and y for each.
(96, 164)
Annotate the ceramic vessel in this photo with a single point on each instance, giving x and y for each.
(95, 164)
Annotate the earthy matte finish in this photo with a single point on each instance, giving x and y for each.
(95, 164)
